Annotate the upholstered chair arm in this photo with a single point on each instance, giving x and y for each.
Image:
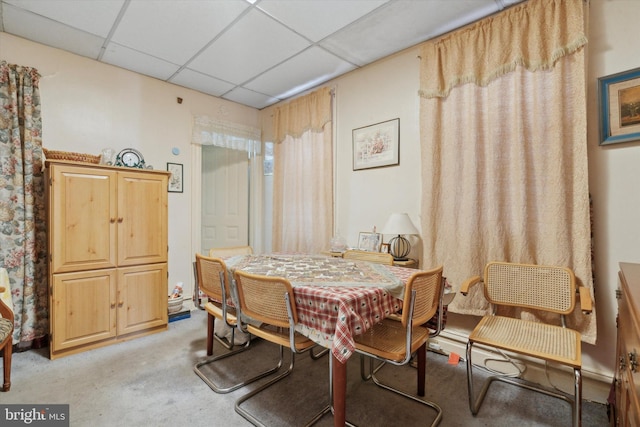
(5, 311)
(586, 304)
(464, 289)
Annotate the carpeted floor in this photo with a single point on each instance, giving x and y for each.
(150, 382)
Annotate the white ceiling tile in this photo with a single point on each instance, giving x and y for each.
(250, 98)
(139, 62)
(45, 31)
(304, 71)
(402, 24)
(175, 30)
(316, 19)
(253, 45)
(201, 82)
(95, 16)
(276, 48)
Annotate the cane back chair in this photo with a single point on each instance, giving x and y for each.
(377, 257)
(213, 278)
(545, 288)
(218, 253)
(269, 301)
(393, 342)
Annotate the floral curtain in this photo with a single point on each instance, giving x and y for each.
(22, 209)
(302, 176)
(504, 148)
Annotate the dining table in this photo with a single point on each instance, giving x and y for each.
(336, 299)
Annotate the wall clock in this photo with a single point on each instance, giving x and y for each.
(130, 158)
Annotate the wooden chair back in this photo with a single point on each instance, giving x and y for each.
(263, 298)
(377, 257)
(208, 271)
(230, 251)
(428, 286)
(540, 287)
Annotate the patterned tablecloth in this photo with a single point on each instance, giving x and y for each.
(336, 298)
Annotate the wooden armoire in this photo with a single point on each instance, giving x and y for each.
(108, 244)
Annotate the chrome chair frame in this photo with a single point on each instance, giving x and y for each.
(293, 347)
(228, 345)
(421, 353)
(575, 400)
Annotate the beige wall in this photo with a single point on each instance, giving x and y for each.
(614, 172)
(88, 106)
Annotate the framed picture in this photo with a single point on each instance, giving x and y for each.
(175, 180)
(619, 98)
(384, 248)
(369, 242)
(376, 145)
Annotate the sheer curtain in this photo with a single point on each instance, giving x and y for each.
(219, 133)
(504, 147)
(23, 240)
(303, 174)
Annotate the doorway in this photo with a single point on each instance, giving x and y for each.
(225, 195)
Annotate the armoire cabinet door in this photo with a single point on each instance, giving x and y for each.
(142, 218)
(83, 309)
(142, 297)
(82, 218)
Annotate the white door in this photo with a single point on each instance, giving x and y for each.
(225, 198)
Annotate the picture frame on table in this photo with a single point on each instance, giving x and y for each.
(376, 145)
(385, 248)
(369, 242)
(176, 178)
(619, 102)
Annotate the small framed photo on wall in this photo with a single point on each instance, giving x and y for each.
(175, 180)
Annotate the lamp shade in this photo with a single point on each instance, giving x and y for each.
(399, 223)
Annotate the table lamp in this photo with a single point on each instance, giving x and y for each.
(399, 246)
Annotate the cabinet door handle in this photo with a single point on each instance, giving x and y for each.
(113, 305)
(633, 361)
(120, 303)
(120, 219)
(112, 220)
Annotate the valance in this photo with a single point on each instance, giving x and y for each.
(207, 131)
(533, 35)
(309, 112)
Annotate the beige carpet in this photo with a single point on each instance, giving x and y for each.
(150, 382)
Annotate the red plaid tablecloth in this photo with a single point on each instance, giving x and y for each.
(335, 298)
(337, 314)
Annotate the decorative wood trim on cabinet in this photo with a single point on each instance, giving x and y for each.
(108, 240)
(627, 380)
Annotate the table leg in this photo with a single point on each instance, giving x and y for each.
(210, 332)
(339, 392)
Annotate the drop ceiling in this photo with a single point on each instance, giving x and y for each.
(254, 52)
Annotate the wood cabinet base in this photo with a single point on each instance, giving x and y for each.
(79, 349)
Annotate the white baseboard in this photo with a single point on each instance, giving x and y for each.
(595, 386)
